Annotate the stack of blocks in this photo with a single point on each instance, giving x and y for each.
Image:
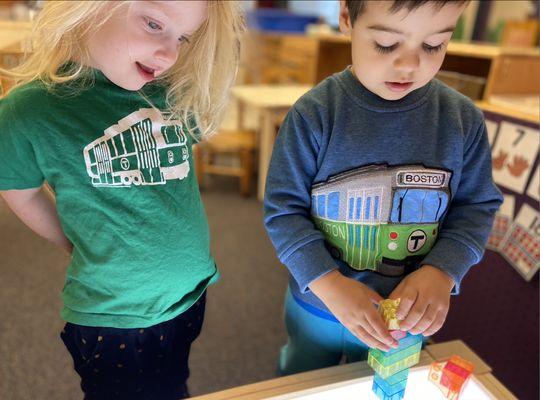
(451, 376)
(392, 367)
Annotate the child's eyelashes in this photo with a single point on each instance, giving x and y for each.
(388, 49)
(431, 49)
(385, 49)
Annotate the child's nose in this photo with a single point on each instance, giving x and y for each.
(407, 62)
(167, 53)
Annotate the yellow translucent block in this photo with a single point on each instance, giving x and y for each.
(388, 309)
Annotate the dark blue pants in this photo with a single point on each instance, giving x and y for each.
(135, 364)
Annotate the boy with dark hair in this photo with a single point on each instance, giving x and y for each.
(379, 186)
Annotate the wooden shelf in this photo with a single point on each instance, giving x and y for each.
(304, 59)
(509, 111)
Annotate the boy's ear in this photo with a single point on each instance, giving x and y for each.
(345, 25)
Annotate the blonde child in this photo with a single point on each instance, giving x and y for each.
(105, 112)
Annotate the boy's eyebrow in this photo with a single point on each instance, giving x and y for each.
(392, 30)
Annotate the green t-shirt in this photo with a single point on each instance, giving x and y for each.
(126, 196)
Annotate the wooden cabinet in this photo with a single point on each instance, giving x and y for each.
(270, 58)
(508, 71)
(278, 59)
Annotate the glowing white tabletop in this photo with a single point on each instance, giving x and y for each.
(418, 387)
(354, 381)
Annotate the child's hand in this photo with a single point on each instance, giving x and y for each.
(351, 302)
(425, 298)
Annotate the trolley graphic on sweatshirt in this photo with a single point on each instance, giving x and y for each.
(142, 149)
(379, 217)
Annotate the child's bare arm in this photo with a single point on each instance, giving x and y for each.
(352, 302)
(425, 299)
(36, 209)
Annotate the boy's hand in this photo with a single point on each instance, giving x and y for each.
(352, 302)
(425, 298)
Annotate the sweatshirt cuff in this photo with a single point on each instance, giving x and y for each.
(452, 257)
(309, 263)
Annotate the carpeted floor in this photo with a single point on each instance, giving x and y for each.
(243, 328)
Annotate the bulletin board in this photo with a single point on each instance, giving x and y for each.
(497, 311)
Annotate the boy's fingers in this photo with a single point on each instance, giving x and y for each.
(374, 297)
(437, 324)
(408, 297)
(371, 330)
(376, 327)
(414, 316)
(396, 293)
(368, 339)
(425, 321)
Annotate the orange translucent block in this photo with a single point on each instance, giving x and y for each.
(456, 372)
(451, 376)
(435, 376)
(435, 372)
(456, 362)
(452, 381)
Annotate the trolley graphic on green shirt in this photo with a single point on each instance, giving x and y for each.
(378, 217)
(142, 149)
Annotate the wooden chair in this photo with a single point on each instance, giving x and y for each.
(240, 143)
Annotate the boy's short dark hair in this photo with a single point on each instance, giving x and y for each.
(357, 7)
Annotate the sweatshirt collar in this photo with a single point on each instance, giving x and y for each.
(367, 99)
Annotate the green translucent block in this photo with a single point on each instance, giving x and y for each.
(386, 371)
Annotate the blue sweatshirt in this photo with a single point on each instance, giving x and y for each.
(378, 188)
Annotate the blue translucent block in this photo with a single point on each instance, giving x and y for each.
(383, 396)
(407, 341)
(392, 388)
(392, 380)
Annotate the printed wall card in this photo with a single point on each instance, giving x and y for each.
(534, 187)
(503, 221)
(513, 155)
(521, 245)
